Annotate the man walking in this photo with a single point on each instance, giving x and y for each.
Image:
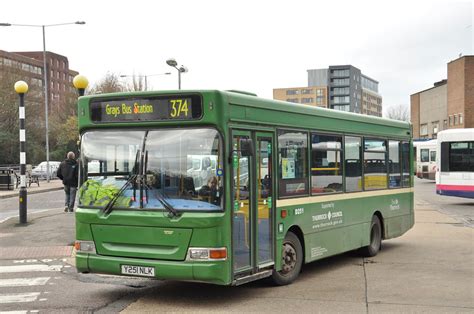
(68, 172)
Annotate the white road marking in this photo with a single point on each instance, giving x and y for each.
(19, 282)
(29, 268)
(19, 297)
(14, 312)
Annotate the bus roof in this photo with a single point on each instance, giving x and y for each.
(456, 135)
(242, 101)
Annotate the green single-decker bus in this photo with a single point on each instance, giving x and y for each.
(226, 188)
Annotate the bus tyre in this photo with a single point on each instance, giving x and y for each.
(292, 259)
(375, 238)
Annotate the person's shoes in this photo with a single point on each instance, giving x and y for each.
(66, 209)
(71, 210)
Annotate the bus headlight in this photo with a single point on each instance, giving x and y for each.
(207, 254)
(85, 246)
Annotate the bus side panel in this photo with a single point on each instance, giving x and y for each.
(338, 226)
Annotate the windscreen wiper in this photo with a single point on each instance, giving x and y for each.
(159, 196)
(110, 204)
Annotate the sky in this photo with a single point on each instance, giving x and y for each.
(254, 46)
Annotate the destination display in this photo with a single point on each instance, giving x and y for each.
(187, 107)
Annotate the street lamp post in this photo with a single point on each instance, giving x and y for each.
(21, 88)
(145, 76)
(182, 69)
(46, 83)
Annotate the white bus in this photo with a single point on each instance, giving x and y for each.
(426, 159)
(455, 163)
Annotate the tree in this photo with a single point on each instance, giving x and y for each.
(109, 84)
(398, 112)
(9, 125)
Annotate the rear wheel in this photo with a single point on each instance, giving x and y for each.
(292, 260)
(375, 238)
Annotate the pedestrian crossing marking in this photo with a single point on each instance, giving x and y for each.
(19, 297)
(19, 282)
(29, 268)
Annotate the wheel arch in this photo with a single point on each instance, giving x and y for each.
(382, 222)
(299, 233)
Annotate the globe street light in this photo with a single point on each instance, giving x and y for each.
(182, 69)
(46, 83)
(145, 76)
(80, 82)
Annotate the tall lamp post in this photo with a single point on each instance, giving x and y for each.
(21, 88)
(46, 83)
(182, 69)
(145, 76)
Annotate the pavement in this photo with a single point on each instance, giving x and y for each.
(43, 186)
(429, 269)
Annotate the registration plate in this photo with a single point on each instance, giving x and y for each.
(138, 270)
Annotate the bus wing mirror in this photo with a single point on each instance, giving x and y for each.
(246, 147)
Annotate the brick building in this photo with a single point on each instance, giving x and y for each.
(448, 104)
(313, 95)
(30, 66)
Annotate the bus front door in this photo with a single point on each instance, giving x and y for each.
(253, 204)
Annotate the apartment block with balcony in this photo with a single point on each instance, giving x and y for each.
(347, 86)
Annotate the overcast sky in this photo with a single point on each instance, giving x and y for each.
(249, 45)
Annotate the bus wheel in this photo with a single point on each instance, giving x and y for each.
(292, 259)
(375, 238)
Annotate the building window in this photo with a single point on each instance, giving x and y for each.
(450, 120)
(294, 100)
(319, 100)
(306, 91)
(342, 108)
(293, 152)
(424, 129)
(341, 99)
(319, 92)
(292, 92)
(455, 119)
(435, 127)
(341, 91)
(461, 121)
(307, 100)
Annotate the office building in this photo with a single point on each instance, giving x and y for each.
(448, 104)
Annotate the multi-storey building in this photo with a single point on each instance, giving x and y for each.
(448, 104)
(314, 95)
(349, 89)
(346, 89)
(30, 66)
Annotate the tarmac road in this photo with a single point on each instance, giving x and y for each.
(429, 269)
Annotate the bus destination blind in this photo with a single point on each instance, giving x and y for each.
(149, 109)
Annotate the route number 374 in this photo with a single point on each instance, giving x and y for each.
(179, 108)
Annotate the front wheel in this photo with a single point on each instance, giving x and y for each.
(292, 260)
(375, 238)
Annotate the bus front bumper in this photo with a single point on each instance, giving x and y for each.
(216, 272)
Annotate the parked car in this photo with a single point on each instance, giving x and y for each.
(40, 170)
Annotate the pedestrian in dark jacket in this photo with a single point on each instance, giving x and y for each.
(68, 172)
